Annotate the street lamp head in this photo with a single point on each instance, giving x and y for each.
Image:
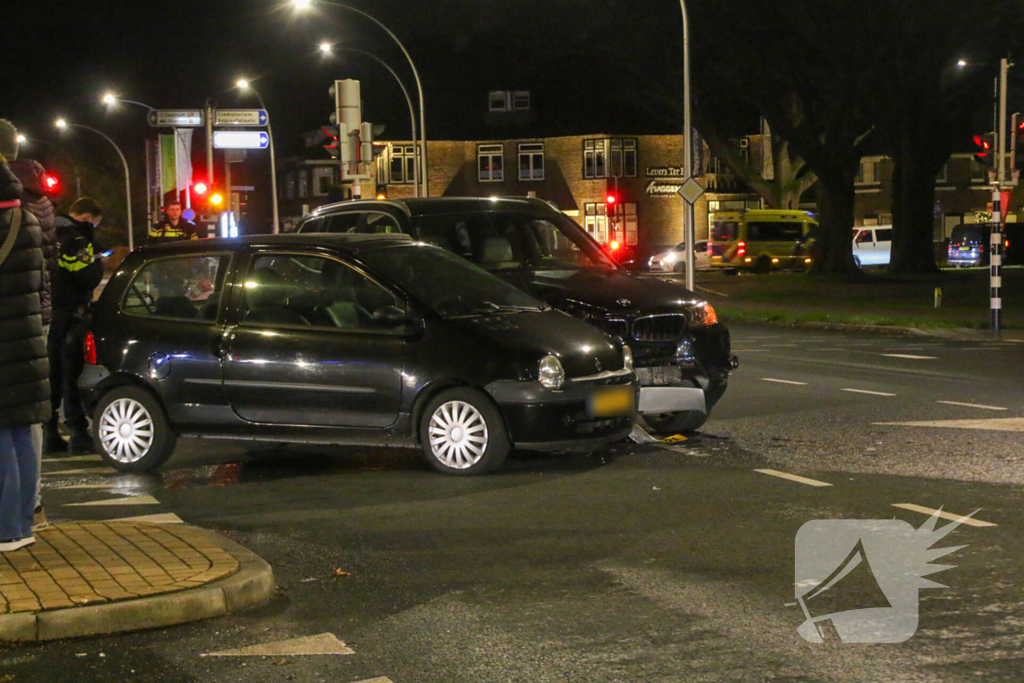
(109, 98)
(61, 123)
(21, 139)
(302, 4)
(242, 83)
(325, 47)
(961, 62)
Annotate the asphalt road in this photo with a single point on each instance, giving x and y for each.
(635, 563)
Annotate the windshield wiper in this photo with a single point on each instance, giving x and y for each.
(489, 307)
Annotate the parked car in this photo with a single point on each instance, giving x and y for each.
(673, 260)
(872, 245)
(970, 245)
(343, 339)
(762, 240)
(681, 351)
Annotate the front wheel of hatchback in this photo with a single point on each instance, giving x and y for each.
(462, 433)
(132, 431)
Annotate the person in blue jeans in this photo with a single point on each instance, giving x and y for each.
(24, 367)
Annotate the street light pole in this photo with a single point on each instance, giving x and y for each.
(689, 234)
(245, 85)
(61, 123)
(408, 100)
(415, 73)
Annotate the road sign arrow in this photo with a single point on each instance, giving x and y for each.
(264, 140)
(263, 117)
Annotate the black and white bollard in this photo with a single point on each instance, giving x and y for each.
(995, 280)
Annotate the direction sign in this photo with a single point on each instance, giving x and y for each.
(175, 118)
(240, 117)
(224, 139)
(691, 191)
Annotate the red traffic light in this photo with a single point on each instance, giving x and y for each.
(200, 188)
(610, 199)
(51, 183)
(614, 245)
(984, 144)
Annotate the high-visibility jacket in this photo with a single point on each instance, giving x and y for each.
(164, 232)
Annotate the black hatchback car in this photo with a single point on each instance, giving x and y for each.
(343, 339)
(682, 353)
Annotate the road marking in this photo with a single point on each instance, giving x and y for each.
(779, 346)
(1001, 424)
(164, 518)
(943, 514)
(865, 391)
(321, 644)
(971, 405)
(981, 348)
(794, 477)
(129, 500)
(76, 458)
(90, 470)
(825, 349)
(783, 381)
(910, 356)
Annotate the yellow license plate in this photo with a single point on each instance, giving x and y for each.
(611, 402)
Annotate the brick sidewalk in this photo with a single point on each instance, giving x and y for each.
(89, 563)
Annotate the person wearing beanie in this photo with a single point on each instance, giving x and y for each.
(24, 369)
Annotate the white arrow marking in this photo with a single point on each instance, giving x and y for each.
(129, 500)
(322, 644)
(1001, 424)
(163, 518)
(971, 405)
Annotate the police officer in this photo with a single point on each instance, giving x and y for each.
(174, 228)
(79, 271)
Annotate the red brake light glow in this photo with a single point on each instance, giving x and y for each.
(614, 245)
(89, 349)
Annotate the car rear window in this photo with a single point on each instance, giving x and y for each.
(723, 231)
(967, 234)
(774, 231)
(180, 288)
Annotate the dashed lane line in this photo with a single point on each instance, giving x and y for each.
(783, 381)
(909, 356)
(870, 393)
(89, 470)
(971, 405)
(320, 644)
(999, 424)
(942, 513)
(125, 500)
(794, 477)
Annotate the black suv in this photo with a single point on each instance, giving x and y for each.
(681, 351)
(349, 339)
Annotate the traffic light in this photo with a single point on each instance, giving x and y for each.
(51, 183)
(200, 188)
(215, 200)
(1017, 142)
(332, 146)
(983, 151)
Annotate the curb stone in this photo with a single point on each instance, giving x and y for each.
(250, 585)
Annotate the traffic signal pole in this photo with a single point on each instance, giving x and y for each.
(995, 279)
(689, 233)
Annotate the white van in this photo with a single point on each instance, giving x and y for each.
(872, 245)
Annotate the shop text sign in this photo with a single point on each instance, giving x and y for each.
(666, 172)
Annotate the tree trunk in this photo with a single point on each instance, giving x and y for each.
(833, 252)
(913, 202)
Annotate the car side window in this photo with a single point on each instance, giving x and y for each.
(341, 222)
(178, 288)
(883, 235)
(381, 224)
(863, 236)
(312, 291)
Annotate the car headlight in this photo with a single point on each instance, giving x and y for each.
(701, 314)
(551, 373)
(671, 258)
(627, 357)
(684, 351)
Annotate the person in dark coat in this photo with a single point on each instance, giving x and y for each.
(79, 271)
(24, 369)
(34, 199)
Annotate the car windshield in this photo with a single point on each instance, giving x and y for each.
(502, 241)
(450, 285)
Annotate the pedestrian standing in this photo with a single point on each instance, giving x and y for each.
(79, 271)
(34, 199)
(24, 369)
(174, 228)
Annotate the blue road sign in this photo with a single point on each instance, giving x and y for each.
(248, 139)
(240, 117)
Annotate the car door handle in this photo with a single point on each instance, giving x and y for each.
(222, 345)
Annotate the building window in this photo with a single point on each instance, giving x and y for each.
(623, 223)
(401, 166)
(531, 161)
(596, 221)
(609, 158)
(521, 99)
(942, 177)
(303, 184)
(859, 178)
(876, 172)
(322, 179)
(289, 185)
(490, 163)
(497, 101)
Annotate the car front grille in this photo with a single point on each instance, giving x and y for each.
(616, 327)
(659, 328)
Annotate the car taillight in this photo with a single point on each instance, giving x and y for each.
(89, 349)
(711, 248)
(741, 249)
(1006, 244)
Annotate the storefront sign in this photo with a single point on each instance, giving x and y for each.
(662, 188)
(666, 172)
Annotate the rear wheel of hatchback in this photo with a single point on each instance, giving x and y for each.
(462, 433)
(132, 431)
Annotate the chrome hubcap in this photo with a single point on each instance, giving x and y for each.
(126, 430)
(458, 435)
